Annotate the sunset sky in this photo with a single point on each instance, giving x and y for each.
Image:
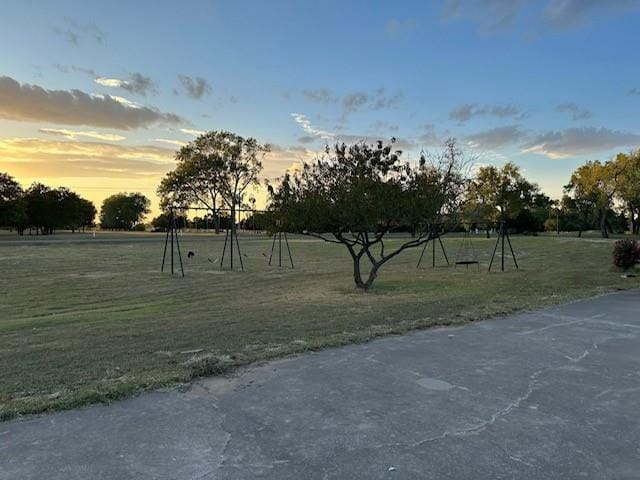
(97, 96)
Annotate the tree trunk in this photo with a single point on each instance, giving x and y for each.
(603, 225)
(357, 275)
(373, 273)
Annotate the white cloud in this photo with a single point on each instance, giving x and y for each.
(179, 143)
(309, 129)
(73, 134)
(109, 82)
(136, 83)
(190, 131)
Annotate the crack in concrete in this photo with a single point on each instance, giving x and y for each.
(579, 358)
(482, 426)
(227, 441)
(612, 324)
(553, 325)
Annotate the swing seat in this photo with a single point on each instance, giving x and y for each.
(467, 262)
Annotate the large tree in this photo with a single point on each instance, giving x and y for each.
(12, 208)
(593, 186)
(123, 211)
(628, 186)
(216, 169)
(496, 194)
(355, 195)
(74, 212)
(43, 208)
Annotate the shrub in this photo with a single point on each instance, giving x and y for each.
(550, 225)
(626, 253)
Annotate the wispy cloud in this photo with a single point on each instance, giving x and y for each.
(490, 14)
(136, 83)
(320, 95)
(579, 141)
(378, 99)
(73, 134)
(574, 110)
(75, 32)
(496, 137)
(190, 131)
(428, 136)
(73, 107)
(179, 143)
(286, 158)
(542, 16)
(73, 68)
(309, 129)
(570, 13)
(66, 158)
(195, 87)
(395, 27)
(465, 112)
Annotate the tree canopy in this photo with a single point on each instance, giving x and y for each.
(123, 211)
(216, 167)
(628, 186)
(355, 195)
(593, 186)
(504, 193)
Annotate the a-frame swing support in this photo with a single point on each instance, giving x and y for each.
(502, 235)
(278, 237)
(230, 237)
(433, 236)
(172, 232)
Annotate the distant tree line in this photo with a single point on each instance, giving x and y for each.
(42, 209)
(216, 168)
(207, 222)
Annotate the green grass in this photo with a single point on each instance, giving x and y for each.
(84, 320)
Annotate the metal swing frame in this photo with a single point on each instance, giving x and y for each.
(502, 234)
(434, 234)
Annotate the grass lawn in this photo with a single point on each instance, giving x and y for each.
(87, 320)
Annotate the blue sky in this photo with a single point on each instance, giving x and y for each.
(98, 96)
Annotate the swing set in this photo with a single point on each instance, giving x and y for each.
(466, 254)
(172, 241)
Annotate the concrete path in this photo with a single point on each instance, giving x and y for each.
(553, 394)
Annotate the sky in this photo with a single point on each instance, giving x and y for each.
(97, 96)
